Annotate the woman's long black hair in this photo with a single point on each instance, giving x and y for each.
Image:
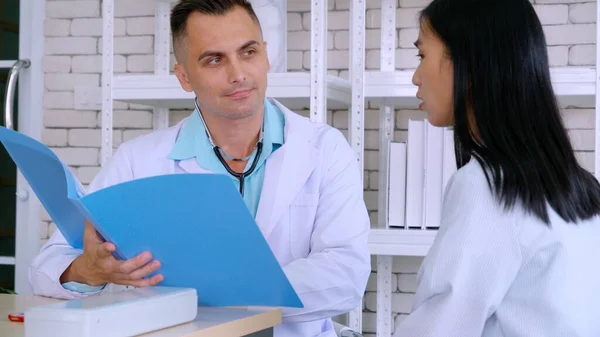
(502, 78)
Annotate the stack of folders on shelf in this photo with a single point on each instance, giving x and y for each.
(419, 170)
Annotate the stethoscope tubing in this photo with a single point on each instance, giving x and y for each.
(240, 176)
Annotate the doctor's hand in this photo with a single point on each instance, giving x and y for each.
(97, 266)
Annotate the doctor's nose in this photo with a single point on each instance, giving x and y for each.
(236, 72)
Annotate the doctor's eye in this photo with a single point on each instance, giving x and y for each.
(214, 60)
(250, 52)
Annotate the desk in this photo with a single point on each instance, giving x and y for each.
(222, 322)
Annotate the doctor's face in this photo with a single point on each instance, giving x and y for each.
(435, 79)
(223, 60)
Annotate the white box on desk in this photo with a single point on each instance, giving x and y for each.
(127, 313)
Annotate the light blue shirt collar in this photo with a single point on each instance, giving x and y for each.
(194, 142)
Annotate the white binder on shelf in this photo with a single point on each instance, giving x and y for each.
(397, 185)
(432, 198)
(415, 173)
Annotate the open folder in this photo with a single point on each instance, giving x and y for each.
(196, 225)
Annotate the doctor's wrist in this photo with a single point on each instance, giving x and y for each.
(78, 272)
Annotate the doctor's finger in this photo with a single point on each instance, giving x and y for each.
(151, 281)
(128, 266)
(105, 250)
(144, 271)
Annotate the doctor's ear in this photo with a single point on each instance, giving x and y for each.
(181, 75)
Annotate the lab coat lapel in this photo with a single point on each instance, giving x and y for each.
(287, 171)
(191, 166)
(188, 165)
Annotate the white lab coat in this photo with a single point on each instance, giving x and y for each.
(311, 212)
(497, 273)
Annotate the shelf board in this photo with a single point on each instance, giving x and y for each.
(7, 260)
(401, 242)
(7, 64)
(574, 86)
(291, 88)
(394, 86)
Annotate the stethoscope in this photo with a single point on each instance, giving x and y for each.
(221, 154)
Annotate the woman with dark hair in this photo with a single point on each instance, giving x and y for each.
(518, 249)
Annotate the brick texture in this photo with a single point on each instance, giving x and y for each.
(73, 66)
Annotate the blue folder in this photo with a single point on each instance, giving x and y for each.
(196, 225)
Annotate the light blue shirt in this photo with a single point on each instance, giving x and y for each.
(193, 142)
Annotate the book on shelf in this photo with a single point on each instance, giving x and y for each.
(397, 184)
(415, 173)
(432, 176)
(419, 170)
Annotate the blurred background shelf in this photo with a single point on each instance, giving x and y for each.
(293, 89)
(574, 86)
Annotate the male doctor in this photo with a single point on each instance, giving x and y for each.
(300, 179)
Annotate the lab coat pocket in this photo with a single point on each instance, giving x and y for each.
(302, 217)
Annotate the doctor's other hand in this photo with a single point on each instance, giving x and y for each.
(97, 266)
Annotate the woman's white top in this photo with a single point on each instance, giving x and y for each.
(495, 273)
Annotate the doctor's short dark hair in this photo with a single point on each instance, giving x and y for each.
(506, 115)
(184, 8)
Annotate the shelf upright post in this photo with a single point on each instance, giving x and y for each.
(356, 121)
(162, 56)
(318, 60)
(597, 100)
(108, 18)
(386, 135)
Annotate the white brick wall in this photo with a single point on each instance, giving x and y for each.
(73, 65)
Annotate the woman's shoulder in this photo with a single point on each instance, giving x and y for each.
(469, 182)
(470, 194)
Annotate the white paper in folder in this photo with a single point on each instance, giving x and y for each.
(127, 313)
